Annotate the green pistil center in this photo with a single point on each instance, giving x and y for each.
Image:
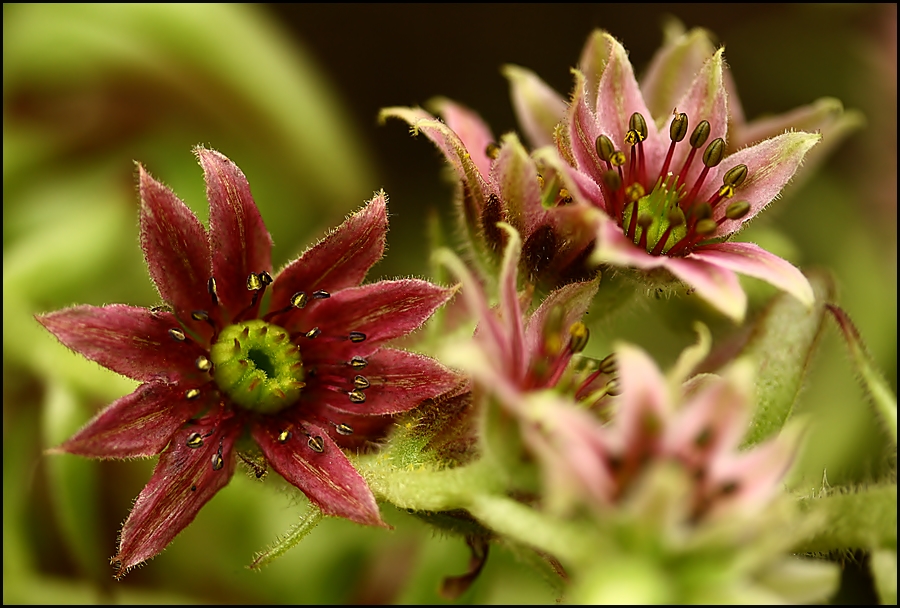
(257, 366)
(659, 218)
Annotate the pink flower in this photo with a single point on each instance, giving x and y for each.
(696, 428)
(664, 183)
(513, 353)
(503, 183)
(222, 380)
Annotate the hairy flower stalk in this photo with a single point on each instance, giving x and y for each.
(222, 379)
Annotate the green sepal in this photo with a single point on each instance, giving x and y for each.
(781, 346)
(878, 390)
(863, 518)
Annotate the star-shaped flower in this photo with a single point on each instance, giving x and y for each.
(221, 380)
(665, 184)
(513, 353)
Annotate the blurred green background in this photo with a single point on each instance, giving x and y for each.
(291, 94)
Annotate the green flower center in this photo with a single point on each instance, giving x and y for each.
(660, 222)
(257, 366)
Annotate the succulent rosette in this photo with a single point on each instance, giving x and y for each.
(222, 379)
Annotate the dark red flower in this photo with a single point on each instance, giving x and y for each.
(221, 380)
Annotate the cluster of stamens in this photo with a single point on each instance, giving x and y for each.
(550, 368)
(665, 216)
(258, 364)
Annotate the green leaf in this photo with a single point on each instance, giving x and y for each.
(880, 395)
(865, 518)
(781, 345)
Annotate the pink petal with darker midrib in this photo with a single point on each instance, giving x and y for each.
(379, 311)
(138, 425)
(176, 249)
(339, 260)
(324, 474)
(397, 382)
(238, 239)
(183, 481)
(128, 340)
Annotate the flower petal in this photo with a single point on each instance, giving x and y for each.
(673, 68)
(717, 285)
(592, 63)
(584, 131)
(573, 299)
(705, 99)
(538, 107)
(397, 382)
(135, 426)
(510, 311)
(447, 142)
(381, 311)
(618, 97)
(128, 340)
(825, 116)
(752, 260)
(176, 250)
(714, 283)
(339, 260)
(520, 193)
(497, 340)
(770, 165)
(238, 240)
(326, 477)
(582, 188)
(643, 396)
(474, 133)
(183, 481)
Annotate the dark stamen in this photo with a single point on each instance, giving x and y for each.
(177, 335)
(677, 131)
(343, 429)
(217, 462)
(316, 444)
(361, 382)
(737, 210)
(315, 332)
(211, 288)
(357, 336)
(698, 138)
(358, 363)
(580, 335)
(192, 394)
(321, 294)
(357, 396)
